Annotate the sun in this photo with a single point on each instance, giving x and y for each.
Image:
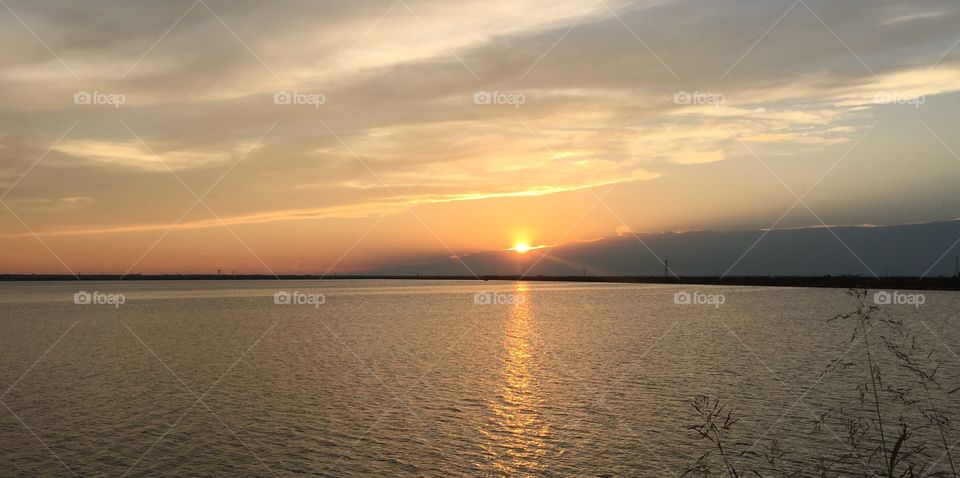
(521, 248)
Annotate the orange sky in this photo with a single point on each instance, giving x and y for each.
(302, 138)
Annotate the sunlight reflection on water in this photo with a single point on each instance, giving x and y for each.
(518, 431)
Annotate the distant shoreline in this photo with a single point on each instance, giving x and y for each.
(838, 282)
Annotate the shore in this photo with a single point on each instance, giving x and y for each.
(839, 282)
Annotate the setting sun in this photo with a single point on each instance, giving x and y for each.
(521, 248)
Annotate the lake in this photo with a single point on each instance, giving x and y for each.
(426, 378)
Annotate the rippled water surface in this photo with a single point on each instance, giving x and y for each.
(393, 378)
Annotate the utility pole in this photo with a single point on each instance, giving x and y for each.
(956, 267)
(666, 268)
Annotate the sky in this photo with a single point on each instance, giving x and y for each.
(320, 136)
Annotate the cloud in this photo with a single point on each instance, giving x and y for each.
(599, 87)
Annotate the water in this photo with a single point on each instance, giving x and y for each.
(394, 378)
